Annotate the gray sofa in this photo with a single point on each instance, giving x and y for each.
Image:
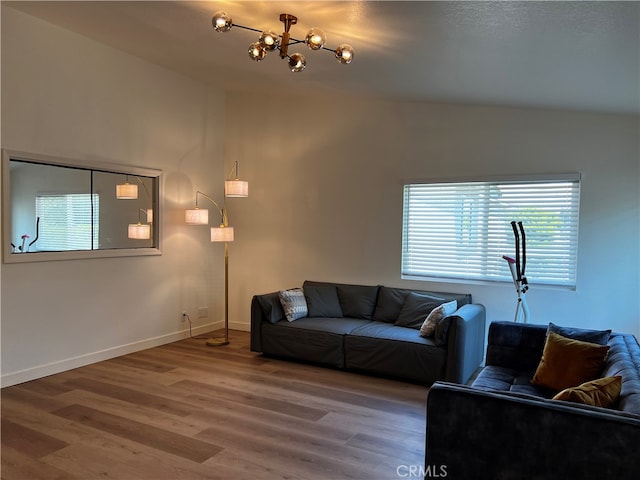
(365, 336)
(502, 427)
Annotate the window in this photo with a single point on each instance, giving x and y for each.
(66, 221)
(461, 230)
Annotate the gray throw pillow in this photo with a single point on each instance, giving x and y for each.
(358, 301)
(322, 301)
(293, 303)
(599, 337)
(416, 308)
(389, 303)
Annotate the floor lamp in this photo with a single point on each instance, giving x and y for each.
(233, 187)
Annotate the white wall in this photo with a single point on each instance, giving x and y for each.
(326, 181)
(67, 96)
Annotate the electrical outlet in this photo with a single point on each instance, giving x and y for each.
(184, 316)
(203, 312)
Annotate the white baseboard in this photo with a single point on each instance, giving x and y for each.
(40, 371)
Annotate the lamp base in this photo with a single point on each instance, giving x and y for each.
(217, 342)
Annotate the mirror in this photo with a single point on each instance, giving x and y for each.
(57, 209)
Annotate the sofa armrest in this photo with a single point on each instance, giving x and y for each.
(465, 342)
(497, 435)
(264, 308)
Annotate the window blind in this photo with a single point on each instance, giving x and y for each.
(66, 221)
(461, 230)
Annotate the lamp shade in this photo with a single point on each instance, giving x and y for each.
(269, 40)
(127, 191)
(221, 22)
(149, 215)
(297, 62)
(315, 39)
(222, 234)
(236, 188)
(197, 216)
(138, 231)
(344, 53)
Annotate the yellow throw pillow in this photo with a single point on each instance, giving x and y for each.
(602, 392)
(567, 363)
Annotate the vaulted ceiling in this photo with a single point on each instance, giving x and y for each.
(566, 55)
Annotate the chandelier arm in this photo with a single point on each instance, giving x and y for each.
(247, 28)
(295, 41)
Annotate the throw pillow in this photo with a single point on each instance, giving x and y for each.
(415, 309)
(358, 301)
(293, 303)
(428, 328)
(602, 392)
(601, 337)
(566, 362)
(322, 301)
(389, 303)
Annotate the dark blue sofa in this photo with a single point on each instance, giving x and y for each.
(502, 427)
(365, 338)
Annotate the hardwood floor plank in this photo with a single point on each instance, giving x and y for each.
(133, 361)
(249, 417)
(45, 386)
(374, 443)
(16, 464)
(165, 440)
(130, 395)
(122, 462)
(360, 400)
(272, 452)
(29, 396)
(28, 441)
(177, 424)
(251, 467)
(274, 404)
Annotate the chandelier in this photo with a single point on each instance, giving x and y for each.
(270, 41)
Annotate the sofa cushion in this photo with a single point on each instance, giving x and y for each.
(322, 301)
(567, 363)
(358, 301)
(384, 330)
(341, 326)
(602, 392)
(395, 351)
(389, 303)
(428, 328)
(505, 379)
(600, 337)
(293, 303)
(416, 308)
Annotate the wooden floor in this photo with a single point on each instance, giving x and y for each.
(187, 411)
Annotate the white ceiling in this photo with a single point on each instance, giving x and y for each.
(569, 55)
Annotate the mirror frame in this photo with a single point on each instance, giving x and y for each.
(9, 257)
